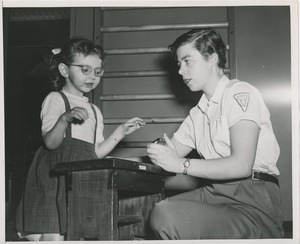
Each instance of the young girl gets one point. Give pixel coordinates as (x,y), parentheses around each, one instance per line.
(72,129)
(231,128)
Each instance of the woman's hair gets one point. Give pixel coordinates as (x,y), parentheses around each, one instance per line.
(74,46)
(206,41)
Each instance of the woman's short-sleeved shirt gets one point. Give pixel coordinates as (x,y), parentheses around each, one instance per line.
(206,128)
(53,107)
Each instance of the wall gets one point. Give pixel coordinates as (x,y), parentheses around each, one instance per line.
(263,55)
(170,84)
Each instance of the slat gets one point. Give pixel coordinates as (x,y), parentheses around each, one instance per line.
(131,97)
(121,51)
(134,74)
(33,46)
(156,120)
(120,74)
(136,50)
(162,27)
(38,14)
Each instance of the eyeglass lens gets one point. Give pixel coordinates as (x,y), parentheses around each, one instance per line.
(87,70)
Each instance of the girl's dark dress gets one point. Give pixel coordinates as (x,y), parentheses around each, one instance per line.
(43,207)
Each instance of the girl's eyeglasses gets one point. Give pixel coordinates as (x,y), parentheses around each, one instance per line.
(87,70)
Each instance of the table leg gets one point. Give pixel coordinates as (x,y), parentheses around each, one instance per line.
(91,206)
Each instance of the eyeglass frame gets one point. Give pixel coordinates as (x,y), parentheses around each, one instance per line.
(91,69)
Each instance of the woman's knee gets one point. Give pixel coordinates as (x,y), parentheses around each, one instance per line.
(162,216)
(164,220)
(158,215)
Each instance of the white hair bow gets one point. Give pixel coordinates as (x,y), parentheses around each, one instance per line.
(56,51)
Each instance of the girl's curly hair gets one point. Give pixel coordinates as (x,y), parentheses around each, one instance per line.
(66,55)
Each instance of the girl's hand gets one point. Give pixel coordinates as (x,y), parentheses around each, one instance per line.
(165,156)
(132,125)
(78,113)
(128,127)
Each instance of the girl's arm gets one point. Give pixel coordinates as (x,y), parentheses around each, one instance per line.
(104,148)
(54,137)
(243,138)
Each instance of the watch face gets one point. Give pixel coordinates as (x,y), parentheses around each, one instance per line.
(186,163)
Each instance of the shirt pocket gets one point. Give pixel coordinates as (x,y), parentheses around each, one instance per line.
(219,132)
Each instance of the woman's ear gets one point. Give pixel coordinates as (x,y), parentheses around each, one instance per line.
(63,70)
(213,59)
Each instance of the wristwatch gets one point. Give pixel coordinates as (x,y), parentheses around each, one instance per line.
(186,165)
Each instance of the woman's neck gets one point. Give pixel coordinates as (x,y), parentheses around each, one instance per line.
(213,83)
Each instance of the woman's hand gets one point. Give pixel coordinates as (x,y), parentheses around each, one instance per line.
(77,113)
(165,156)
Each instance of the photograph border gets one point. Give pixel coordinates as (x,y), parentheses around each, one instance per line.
(294,7)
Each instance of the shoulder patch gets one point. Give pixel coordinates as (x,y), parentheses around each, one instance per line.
(242,99)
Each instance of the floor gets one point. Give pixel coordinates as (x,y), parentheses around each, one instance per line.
(288,229)
(10,230)
(11,235)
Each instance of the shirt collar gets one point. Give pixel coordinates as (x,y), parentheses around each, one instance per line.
(83,98)
(216,97)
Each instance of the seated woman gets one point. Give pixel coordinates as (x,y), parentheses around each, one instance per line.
(231,128)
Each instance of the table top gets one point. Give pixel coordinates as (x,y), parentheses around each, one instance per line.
(110,163)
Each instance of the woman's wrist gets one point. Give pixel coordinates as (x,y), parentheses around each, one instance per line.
(180,165)
(186,164)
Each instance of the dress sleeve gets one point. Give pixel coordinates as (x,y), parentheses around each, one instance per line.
(52,108)
(243,102)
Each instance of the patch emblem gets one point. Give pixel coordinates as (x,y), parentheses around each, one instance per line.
(242,99)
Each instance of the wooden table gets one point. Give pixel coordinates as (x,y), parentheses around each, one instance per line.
(111,199)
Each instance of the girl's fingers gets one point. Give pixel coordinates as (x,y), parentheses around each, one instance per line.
(135,122)
(132,125)
(129,125)
(78,115)
(141,123)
